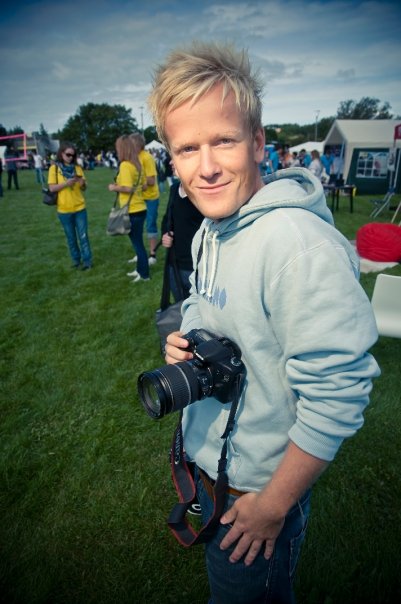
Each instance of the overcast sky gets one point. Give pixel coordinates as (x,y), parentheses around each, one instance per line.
(56,56)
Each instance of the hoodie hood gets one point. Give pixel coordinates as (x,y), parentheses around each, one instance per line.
(289,188)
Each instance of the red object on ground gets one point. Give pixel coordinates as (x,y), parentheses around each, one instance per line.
(380,242)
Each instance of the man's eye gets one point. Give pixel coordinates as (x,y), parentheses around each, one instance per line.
(187,149)
(226,141)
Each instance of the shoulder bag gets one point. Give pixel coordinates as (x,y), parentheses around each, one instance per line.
(168,316)
(118,222)
(49,197)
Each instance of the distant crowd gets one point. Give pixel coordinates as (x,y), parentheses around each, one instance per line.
(328,167)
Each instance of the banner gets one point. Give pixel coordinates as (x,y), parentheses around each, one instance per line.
(397,132)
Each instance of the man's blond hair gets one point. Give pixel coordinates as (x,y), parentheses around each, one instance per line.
(189,73)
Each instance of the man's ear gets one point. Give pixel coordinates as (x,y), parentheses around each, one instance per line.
(259,145)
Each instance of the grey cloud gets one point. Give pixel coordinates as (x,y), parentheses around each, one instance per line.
(60,71)
(346,74)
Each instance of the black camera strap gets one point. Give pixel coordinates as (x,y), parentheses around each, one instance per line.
(184,484)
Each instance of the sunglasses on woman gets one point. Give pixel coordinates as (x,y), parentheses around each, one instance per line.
(69,154)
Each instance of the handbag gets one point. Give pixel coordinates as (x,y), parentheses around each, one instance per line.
(50,198)
(168,316)
(167,321)
(118,222)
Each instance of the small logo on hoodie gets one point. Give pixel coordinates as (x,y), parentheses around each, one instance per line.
(218,299)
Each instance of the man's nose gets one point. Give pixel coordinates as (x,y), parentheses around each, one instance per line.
(209,165)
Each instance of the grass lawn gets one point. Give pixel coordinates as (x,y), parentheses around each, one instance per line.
(85,484)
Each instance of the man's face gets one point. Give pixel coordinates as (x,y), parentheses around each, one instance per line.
(214,153)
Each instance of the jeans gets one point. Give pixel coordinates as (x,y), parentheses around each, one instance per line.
(136,235)
(265,581)
(152,205)
(75,225)
(39,176)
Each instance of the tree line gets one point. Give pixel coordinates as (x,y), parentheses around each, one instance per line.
(96,126)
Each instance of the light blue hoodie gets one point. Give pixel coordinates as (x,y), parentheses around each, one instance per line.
(280,281)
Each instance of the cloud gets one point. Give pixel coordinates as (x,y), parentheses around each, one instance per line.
(346,74)
(60,71)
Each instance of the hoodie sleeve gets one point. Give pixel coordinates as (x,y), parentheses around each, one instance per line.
(324,323)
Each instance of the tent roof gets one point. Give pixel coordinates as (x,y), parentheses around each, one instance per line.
(362,133)
(309,146)
(154,145)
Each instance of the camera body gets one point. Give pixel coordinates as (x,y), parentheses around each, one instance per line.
(214,371)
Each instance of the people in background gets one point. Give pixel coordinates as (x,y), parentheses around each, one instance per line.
(150,194)
(168,169)
(327,160)
(294,161)
(38,165)
(67,179)
(10,159)
(337,168)
(179,225)
(304,158)
(316,166)
(1,177)
(271,159)
(130,183)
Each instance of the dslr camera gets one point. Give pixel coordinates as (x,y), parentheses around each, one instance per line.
(214,371)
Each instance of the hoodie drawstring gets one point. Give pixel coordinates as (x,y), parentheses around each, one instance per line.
(214,265)
(204,261)
(205,258)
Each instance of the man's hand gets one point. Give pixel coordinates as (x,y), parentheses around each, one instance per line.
(167,239)
(258,518)
(175,348)
(254,526)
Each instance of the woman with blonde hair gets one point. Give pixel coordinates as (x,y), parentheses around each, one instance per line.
(129,184)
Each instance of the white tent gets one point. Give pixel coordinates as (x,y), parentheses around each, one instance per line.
(361,134)
(309,146)
(154,145)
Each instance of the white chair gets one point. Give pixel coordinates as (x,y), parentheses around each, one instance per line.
(395,214)
(382,204)
(386,303)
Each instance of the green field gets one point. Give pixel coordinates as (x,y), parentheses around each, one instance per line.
(85,484)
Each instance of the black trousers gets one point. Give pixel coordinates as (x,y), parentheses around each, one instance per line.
(12,175)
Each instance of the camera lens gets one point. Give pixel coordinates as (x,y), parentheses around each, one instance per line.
(170,388)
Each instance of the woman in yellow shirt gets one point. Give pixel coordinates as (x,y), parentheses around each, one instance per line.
(67,179)
(130,183)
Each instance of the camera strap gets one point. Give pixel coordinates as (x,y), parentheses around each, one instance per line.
(184,484)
